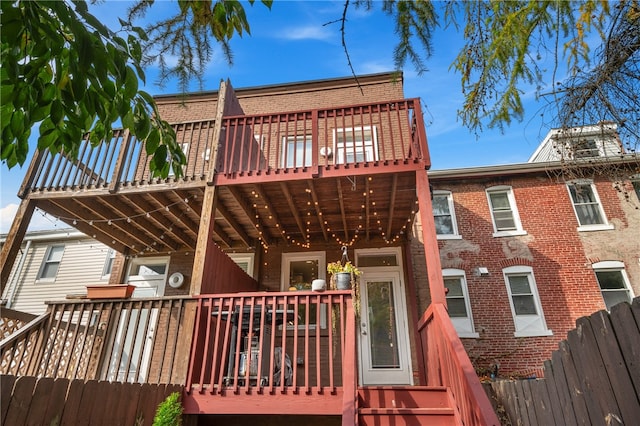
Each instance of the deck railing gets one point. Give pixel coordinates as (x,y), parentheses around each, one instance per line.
(447,364)
(301,142)
(121,161)
(295,143)
(300,344)
(136,341)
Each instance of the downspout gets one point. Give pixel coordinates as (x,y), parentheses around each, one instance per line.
(17,275)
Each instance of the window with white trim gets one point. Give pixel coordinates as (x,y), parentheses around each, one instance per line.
(296,151)
(613,281)
(244,261)
(504,213)
(458,303)
(444,215)
(51,263)
(355,144)
(525,302)
(587,206)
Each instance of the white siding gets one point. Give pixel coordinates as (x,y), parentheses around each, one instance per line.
(82,263)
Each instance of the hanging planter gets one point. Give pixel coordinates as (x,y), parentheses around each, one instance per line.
(117,291)
(343,280)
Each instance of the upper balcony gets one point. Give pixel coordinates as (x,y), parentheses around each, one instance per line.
(267,170)
(287,145)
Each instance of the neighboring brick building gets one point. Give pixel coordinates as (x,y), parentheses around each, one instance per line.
(525,252)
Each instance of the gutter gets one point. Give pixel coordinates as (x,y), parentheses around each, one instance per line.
(16,276)
(525,168)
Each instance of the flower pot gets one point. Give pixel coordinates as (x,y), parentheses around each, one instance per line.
(343,281)
(118,291)
(318,285)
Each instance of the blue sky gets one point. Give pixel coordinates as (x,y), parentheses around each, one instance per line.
(292,43)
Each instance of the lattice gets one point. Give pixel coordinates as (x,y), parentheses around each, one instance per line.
(9,325)
(15,359)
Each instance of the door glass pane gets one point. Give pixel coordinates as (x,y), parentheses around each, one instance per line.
(149,269)
(383,335)
(301,274)
(366,260)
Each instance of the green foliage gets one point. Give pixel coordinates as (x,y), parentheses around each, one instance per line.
(64,70)
(505,40)
(189,35)
(169,412)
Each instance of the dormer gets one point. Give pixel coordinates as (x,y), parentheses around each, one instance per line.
(579,143)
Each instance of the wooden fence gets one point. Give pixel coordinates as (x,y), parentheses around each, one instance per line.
(32,401)
(592,379)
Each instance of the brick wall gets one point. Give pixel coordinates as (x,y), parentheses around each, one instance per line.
(288,97)
(560,256)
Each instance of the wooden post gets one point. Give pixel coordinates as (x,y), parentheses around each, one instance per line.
(349,369)
(14,240)
(431,251)
(207,216)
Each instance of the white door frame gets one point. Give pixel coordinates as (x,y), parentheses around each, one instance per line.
(403,375)
(143,281)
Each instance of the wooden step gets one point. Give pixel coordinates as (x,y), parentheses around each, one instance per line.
(404,397)
(405,405)
(407,417)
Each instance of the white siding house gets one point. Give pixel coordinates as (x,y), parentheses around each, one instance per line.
(52,265)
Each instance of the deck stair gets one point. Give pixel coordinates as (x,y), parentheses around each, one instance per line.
(406,405)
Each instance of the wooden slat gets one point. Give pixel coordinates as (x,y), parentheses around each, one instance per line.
(20,401)
(6,389)
(41,395)
(615,371)
(90,397)
(57,400)
(626,324)
(554,397)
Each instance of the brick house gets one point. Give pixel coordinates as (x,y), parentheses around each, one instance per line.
(527,249)
(279,182)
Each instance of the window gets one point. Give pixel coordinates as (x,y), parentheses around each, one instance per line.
(51,263)
(613,282)
(298,271)
(244,261)
(525,303)
(585,148)
(296,151)
(504,213)
(458,303)
(635,181)
(108,264)
(356,145)
(587,207)
(444,215)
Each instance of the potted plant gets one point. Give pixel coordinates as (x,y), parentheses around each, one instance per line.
(344,275)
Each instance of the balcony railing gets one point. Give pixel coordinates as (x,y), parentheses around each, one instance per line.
(299,344)
(136,341)
(121,161)
(304,141)
(293,143)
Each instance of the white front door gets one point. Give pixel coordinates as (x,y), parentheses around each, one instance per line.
(384,336)
(149,275)
(131,346)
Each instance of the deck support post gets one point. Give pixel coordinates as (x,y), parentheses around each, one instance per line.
(14,239)
(431,251)
(350,370)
